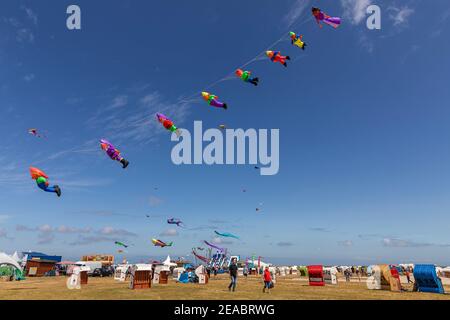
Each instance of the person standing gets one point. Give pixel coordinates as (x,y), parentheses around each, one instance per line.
(267,280)
(233,275)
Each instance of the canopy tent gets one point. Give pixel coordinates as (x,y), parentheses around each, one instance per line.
(169,264)
(6,259)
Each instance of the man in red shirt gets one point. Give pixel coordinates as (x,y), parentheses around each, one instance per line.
(267,280)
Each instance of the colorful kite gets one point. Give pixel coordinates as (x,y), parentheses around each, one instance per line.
(322,16)
(121,244)
(202,258)
(162,244)
(226,234)
(297,40)
(42,181)
(213,246)
(113,153)
(245,76)
(275,56)
(213,100)
(168,124)
(200,248)
(178,222)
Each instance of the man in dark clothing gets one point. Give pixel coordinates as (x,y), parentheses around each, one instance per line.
(233,275)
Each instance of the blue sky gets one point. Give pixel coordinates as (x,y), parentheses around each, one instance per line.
(364,155)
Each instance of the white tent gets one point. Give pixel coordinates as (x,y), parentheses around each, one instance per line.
(169,264)
(5,259)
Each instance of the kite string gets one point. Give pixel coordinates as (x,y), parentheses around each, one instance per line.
(256,58)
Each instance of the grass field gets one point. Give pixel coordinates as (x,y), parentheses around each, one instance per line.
(289,288)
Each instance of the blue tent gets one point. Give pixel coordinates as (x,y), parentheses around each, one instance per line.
(427,279)
(184,278)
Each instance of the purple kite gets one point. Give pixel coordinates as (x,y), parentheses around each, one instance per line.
(112,152)
(321,16)
(213,246)
(199,257)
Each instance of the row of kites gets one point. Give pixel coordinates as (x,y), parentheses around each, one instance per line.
(213,100)
(113,153)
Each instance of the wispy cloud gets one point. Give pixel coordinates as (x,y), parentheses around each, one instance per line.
(203,227)
(24,35)
(218,240)
(29,77)
(296,11)
(319,229)
(441,23)
(119,101)
(47,234)
(110,231)
(88,240)
(285,244)
(137,122)
(355,10)
(169,233)
(365,42)
(31,15)
(400,16)
(399,243)
(345,243)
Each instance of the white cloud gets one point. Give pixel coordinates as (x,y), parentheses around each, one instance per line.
(29,77)
(31,14)
(24,35)
(218,240)
(3,218)
(399,243)
(119,101)
(365,42)
(400,16)
(355,10)
(66,229)
(116,232)
(137,124)
(346,243)
(169,233)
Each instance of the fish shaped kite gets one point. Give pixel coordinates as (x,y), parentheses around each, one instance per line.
(42,181)
(297,40)
(213,100)
(245,76)
(275,56)
(121,244)
(113,153)
(168,124)
(213,246)
(322,16)
(162,244)
(201,258)
(226,235)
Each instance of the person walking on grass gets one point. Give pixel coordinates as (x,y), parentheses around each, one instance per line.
(267,280)
(233,275)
